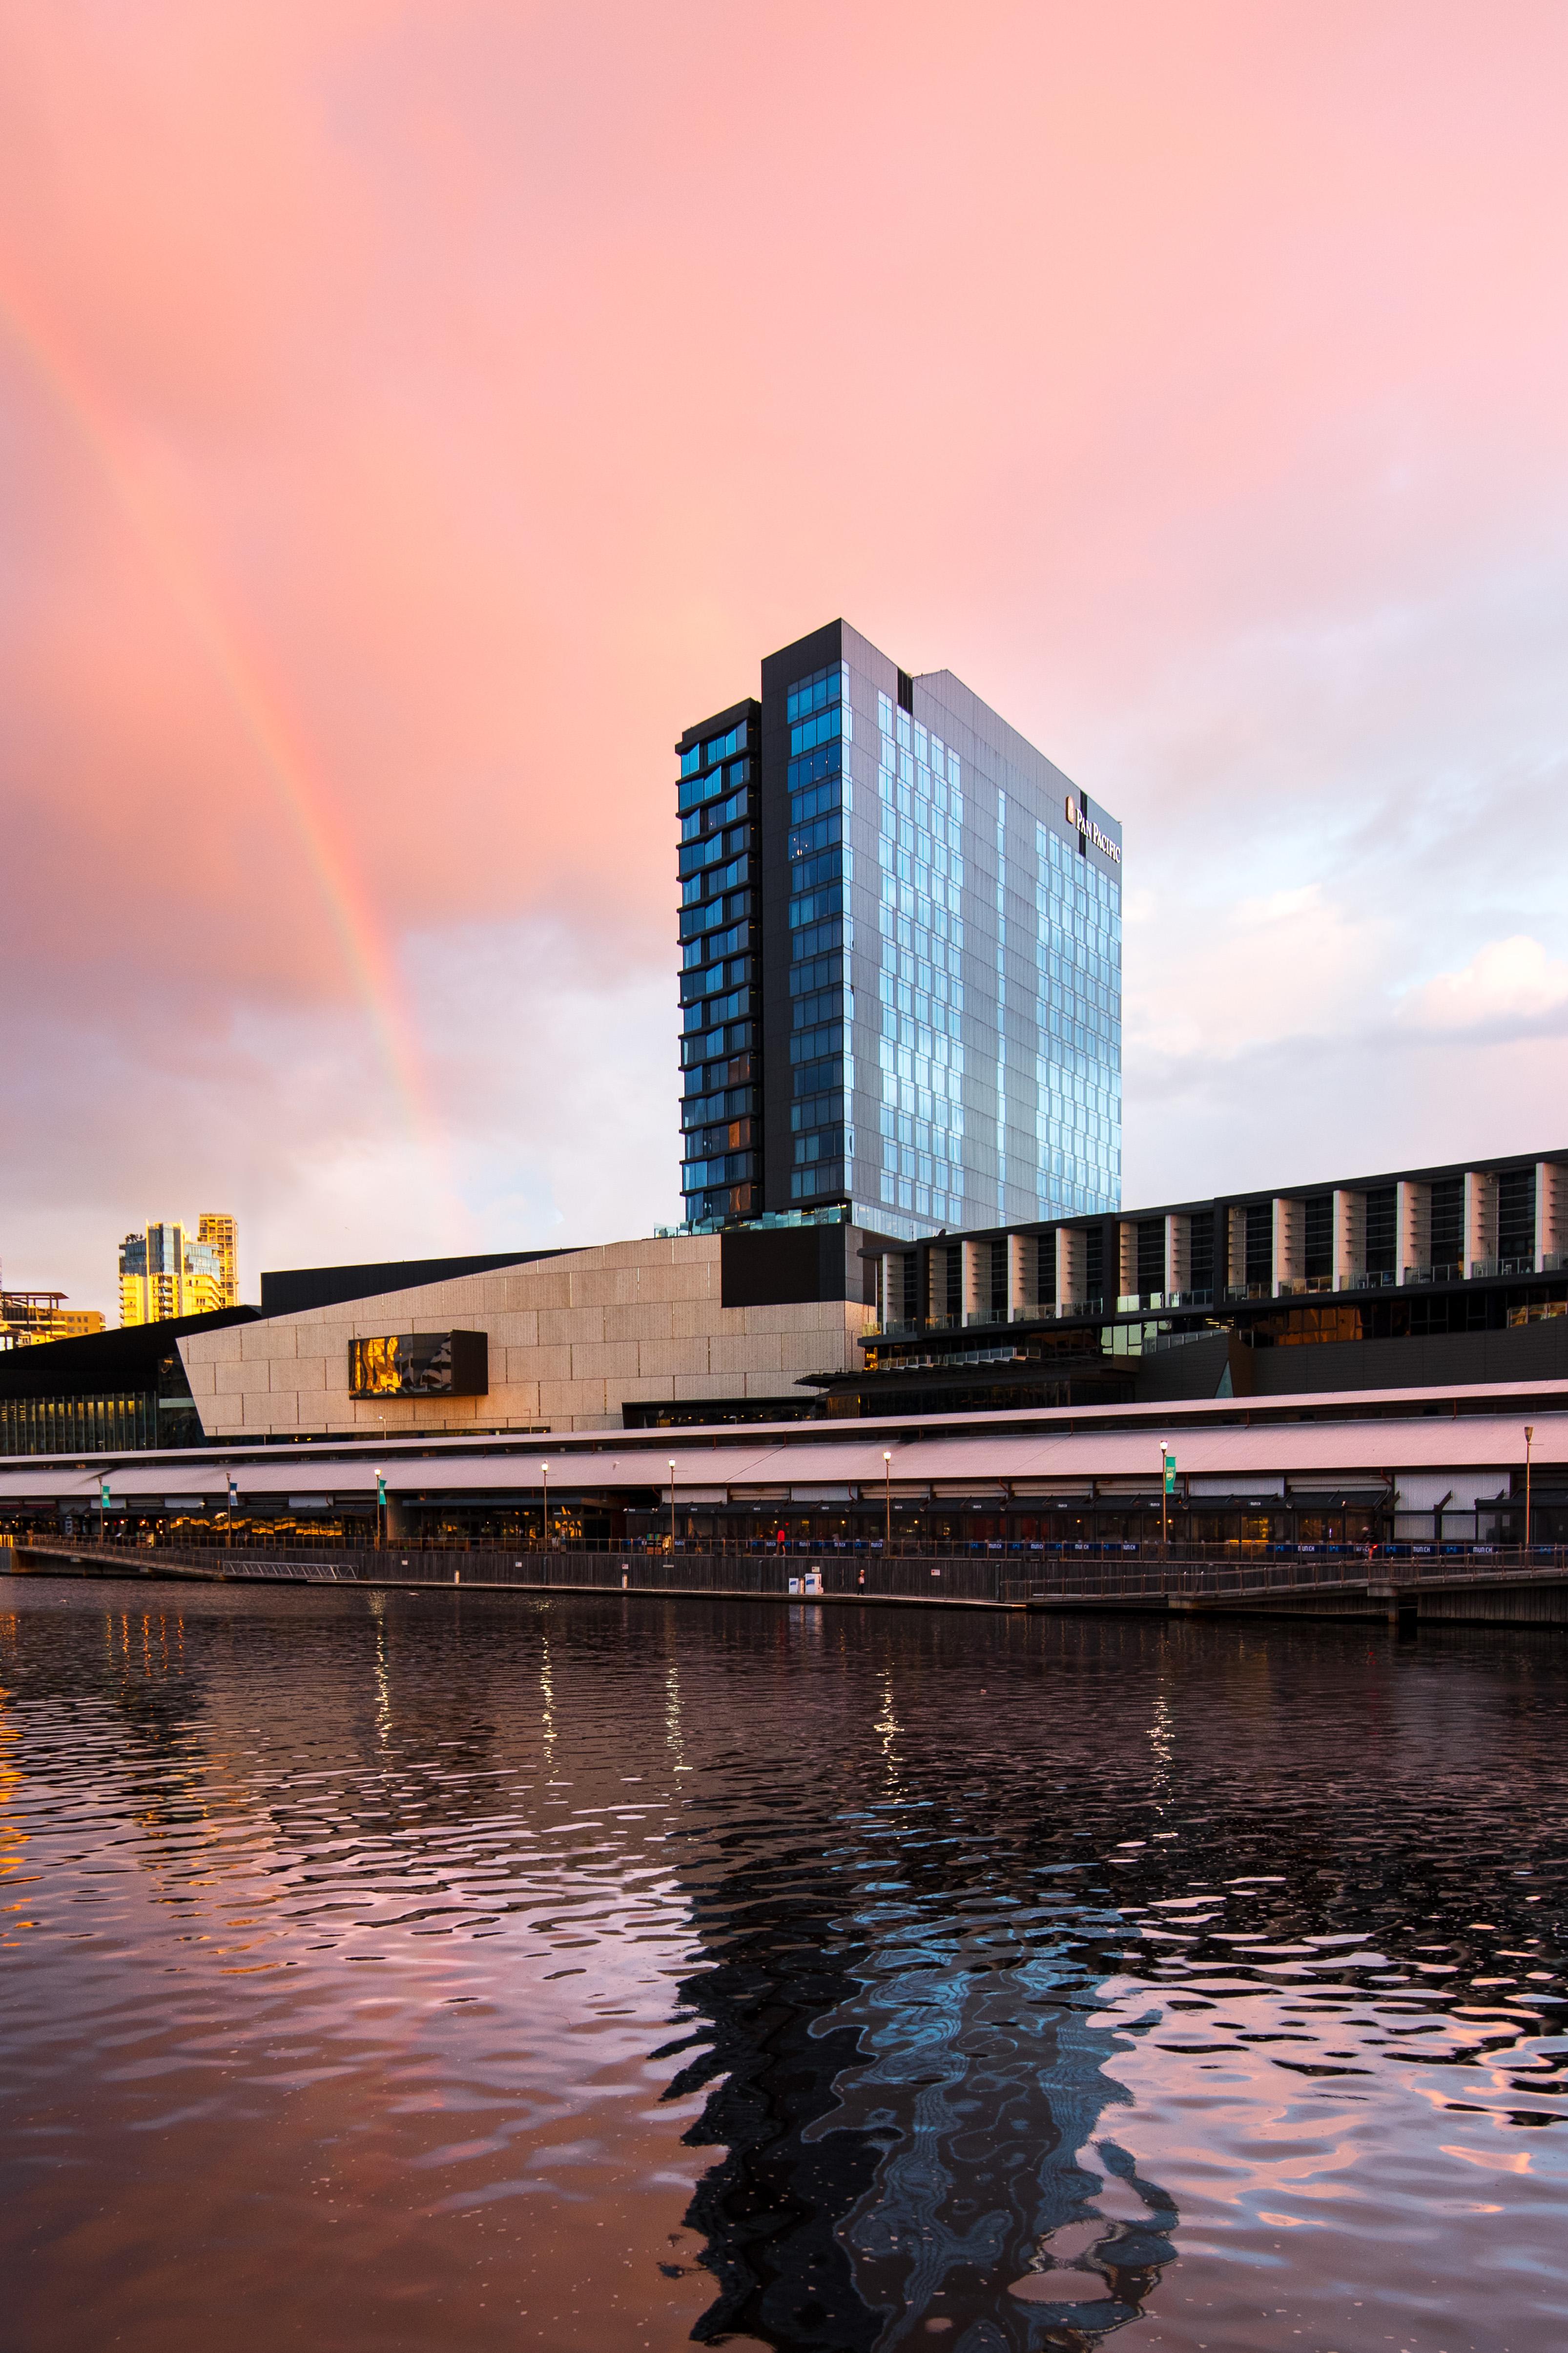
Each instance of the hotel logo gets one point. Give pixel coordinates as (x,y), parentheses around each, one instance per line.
(1085,825)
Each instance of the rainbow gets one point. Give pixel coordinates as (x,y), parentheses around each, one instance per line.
(283,759)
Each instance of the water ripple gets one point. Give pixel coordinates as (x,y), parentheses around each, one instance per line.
(455,1969)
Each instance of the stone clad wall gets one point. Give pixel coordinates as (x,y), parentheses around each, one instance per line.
(571,1340)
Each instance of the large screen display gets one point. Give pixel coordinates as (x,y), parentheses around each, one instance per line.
(420,1363)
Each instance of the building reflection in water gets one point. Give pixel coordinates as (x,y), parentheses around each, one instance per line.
(908,2080)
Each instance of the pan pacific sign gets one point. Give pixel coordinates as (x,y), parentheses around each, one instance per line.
(1082,822)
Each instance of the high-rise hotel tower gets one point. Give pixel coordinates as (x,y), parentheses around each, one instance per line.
(900,941)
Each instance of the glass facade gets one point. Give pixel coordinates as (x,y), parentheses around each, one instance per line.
(956,961)
(940,912)
(820,718)
(716,799)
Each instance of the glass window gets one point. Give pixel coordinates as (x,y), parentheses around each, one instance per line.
(825,728)
(816,693)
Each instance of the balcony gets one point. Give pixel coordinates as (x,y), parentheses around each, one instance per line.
(1236,1292)
(1359,1278)
(1481,1267)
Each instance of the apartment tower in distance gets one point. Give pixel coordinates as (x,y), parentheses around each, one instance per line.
(901,940)
(165,1274)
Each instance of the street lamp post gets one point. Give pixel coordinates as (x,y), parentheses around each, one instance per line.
(1528,1439)
(1164,1501)
(888,1499)
(544,1510)
(672,1508)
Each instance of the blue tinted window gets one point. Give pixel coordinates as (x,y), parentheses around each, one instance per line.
(804,806)
(808,734)
(816,767)
(697,789)
(822,972)
(723,747)
(817,939)
(816,693)
(691,761)
(821,835)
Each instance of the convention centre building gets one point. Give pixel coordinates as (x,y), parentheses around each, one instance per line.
(1412,1280)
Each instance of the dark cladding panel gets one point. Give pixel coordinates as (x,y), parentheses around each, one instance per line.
(137,1356)
(781,1266)
(292,1290)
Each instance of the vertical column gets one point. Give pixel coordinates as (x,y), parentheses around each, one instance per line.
(1480,1218)
(1412,1229)
(974,1289)
(1072,1266)
(1178,1254)
(1350,1238)
(1549,1239)
(1236,1247)
(1126,1258)
(1289,1240)
(890,1275)
(1022,1277)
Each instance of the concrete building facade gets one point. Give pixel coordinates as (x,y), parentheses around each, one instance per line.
(574,1342)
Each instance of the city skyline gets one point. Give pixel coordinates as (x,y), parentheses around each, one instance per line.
(384,495)
(165,1270)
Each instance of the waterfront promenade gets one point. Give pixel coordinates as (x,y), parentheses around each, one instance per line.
(1489,1585)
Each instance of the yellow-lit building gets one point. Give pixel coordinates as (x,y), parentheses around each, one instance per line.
(216,1228)
(27,1316)
(165,1274)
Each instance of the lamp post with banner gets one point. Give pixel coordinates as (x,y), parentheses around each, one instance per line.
(672,1507)
(544,1512)
(1167,1489)
(228,1515)
(103,1510)
(888,1499)
(379,1506)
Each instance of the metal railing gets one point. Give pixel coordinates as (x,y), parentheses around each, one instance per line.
(651,1563)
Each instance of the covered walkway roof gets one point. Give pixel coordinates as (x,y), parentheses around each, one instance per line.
(1213,1443)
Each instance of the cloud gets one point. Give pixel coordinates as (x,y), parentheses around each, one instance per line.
(1507,985)
(1279,965)
(508,380)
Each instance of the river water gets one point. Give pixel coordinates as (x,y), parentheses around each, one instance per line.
(440,1970)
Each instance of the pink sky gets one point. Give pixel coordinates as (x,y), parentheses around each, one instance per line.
(410,418)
